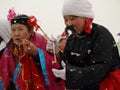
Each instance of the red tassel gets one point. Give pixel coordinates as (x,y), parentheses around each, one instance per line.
(87,26)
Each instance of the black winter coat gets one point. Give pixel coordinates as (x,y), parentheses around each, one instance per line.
(89,58)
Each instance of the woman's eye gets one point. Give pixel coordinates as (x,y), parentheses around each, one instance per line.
(20,29)
(13,29)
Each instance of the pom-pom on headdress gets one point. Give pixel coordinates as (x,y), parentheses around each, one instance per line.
(33,22)
(11,14)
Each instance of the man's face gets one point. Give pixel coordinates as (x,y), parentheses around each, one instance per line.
(76,21)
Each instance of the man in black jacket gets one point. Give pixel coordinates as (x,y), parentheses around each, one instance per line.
(90,53)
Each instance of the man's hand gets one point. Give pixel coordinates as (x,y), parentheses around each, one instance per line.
(50,48)
(60,73)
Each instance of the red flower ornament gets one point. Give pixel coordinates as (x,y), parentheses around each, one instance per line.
(33,22)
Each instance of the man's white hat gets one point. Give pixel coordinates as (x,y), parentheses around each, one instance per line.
(81,8)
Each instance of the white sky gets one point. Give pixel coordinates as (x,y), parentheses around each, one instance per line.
(49,14)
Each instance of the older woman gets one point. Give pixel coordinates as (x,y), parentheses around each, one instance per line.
(26,58)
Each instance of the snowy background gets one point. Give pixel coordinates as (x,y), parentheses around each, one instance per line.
(49,15)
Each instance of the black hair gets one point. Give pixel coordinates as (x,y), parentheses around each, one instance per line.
(21,19)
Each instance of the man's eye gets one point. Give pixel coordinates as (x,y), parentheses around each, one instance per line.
(71,18)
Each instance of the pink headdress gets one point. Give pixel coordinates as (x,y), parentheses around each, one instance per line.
(32,21)
(11,14)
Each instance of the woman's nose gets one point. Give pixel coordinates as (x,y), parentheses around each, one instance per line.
(16,32)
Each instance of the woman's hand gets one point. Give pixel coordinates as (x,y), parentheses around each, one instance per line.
(29,48)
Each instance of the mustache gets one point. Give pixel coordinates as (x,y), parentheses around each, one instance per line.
(71,28)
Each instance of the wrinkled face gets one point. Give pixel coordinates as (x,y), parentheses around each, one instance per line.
(20,32)
(76,21)
(62,44)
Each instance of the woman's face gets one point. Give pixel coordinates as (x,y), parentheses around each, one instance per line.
(19,32)
(76,21)
(62,44)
